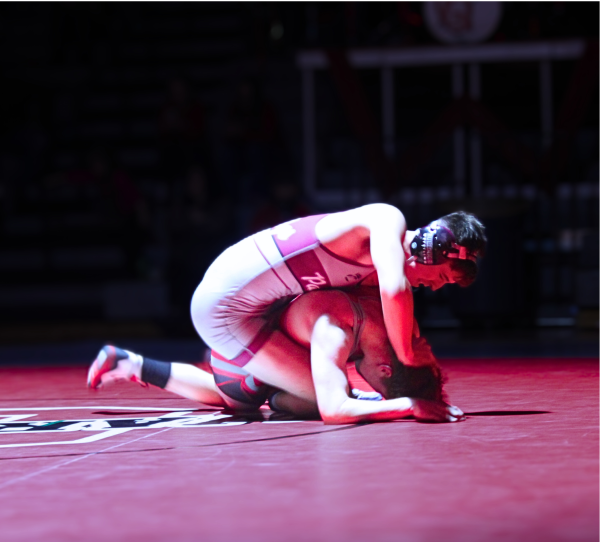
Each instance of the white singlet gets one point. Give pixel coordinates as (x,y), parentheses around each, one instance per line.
(247,285)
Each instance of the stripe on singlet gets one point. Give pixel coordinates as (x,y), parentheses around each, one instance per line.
(271,266)
(299,237)
(256,344)
(309,271)
(298,243)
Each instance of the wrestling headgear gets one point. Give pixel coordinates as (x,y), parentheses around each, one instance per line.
(435,242)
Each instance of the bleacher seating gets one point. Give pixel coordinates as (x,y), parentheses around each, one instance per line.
(62,258)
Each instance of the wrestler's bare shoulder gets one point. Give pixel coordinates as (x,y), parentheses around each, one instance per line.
(299,318)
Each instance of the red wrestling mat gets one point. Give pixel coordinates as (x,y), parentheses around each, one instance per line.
(128,463)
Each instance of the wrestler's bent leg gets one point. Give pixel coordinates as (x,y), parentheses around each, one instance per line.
(193,383)
(240,390)
(284,364)
(282,401)
(243,391)
(113,364)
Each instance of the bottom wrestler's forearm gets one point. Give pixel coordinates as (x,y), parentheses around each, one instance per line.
(355,411)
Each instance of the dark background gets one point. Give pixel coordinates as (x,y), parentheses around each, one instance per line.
(140,140)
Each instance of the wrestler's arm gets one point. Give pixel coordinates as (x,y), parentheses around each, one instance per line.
(387,227)
(331,341)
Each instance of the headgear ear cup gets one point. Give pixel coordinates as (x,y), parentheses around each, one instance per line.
(434,243)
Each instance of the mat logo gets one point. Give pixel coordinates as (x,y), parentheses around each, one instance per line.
(14,424)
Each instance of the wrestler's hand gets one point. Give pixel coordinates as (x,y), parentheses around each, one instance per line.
(434,411)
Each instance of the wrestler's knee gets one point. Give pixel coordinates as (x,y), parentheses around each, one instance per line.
(240,390)
(237,406)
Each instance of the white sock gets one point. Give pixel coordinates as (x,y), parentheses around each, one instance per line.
(129,368)
(135,364)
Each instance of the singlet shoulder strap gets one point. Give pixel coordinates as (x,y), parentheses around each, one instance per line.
(359,321)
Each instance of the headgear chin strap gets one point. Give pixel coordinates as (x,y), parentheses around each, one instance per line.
(434,243)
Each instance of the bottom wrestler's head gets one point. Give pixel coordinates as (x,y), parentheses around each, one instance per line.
(396,379)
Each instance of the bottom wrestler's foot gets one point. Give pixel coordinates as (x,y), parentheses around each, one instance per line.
(112,364)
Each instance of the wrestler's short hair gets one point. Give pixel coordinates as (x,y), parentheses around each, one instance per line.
(426,382)
(469,232)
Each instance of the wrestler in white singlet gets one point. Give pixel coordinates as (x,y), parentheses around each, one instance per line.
(242,290)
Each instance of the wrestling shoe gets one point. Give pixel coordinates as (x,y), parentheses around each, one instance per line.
(113,364)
